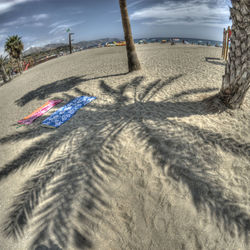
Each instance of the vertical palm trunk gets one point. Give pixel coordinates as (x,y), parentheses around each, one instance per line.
(133,62)
(11,69)
(9,74)
(70,45)
(236,80)
(19,66)
(4,74)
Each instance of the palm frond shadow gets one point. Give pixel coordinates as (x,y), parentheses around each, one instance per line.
(185,161)
(214,60)
(66,198)
(62,180)
(56,87)
(194,91)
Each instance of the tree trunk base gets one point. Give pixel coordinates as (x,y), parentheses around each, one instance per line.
(215,104)
(226,102)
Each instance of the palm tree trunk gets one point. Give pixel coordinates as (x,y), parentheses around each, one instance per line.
(19,66)
(9,74)
(133,62)
(4,74)
(236,80)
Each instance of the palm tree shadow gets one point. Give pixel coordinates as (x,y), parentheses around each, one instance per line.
(194,91)
(182,158)
(214,60)
(66,84)
(66,197)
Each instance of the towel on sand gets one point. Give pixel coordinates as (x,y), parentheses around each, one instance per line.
(64,113)
(39,112)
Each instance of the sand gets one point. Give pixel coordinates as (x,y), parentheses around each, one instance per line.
(145,166)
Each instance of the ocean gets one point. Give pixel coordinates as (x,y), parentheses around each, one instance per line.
(187,40)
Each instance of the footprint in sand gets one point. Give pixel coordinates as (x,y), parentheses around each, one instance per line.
(160,223)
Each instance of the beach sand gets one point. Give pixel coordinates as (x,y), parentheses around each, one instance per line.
(144,166)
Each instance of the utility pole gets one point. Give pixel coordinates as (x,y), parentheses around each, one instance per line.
(70,40)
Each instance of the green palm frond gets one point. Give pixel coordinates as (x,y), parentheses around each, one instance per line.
(14,46)
(3,59)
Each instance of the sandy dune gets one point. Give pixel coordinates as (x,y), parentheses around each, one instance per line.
(144,166)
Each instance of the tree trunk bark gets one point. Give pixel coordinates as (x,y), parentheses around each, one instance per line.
(4,74)
(133,62)
(20,66)
(11,69)
(236,80)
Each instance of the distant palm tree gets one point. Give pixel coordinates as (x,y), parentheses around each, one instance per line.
(236,80)
(14,48)
(2,69)
(133,62)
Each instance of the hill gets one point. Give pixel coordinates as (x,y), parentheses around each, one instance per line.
(81,44)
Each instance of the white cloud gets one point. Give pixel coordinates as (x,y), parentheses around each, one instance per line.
(3,30)
(53,25)
(191,12)
(2,37)
(78,12)
(27,21)
(130,5)
(114,11)
(28,41)
(62,26)
(39,17)
(44,41)
(2,52)
(38,24)
(7,5)
(19,21)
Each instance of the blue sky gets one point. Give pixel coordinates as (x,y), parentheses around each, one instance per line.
(40,22)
